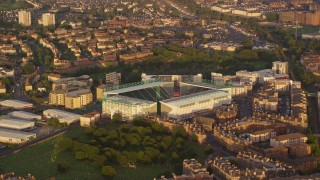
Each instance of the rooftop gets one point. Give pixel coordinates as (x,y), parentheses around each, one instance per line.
(138,87)
(8,133)
(129,100)
(289,136)
(201,96)
(15,103)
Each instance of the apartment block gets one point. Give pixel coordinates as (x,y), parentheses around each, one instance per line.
(288,140)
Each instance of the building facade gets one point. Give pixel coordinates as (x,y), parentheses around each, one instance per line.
(24,18)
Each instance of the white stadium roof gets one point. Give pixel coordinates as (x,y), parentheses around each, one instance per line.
(138,87)
(129,100)
(192,98)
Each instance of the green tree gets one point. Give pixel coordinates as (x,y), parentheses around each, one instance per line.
(108,171)
(80,155)
(65,144)
(28,68)
(63,166)
(208,150)
(116,118)
(247,43)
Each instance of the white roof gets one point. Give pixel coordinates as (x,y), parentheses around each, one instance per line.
(193,98)
(15,103)
(129,100)
(13,134)
(59,112)
(24,115)
(63,116)
(15,123)
(138,87)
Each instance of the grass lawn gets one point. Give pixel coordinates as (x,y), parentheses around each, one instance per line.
(10,5)
(41,161)
(6,96)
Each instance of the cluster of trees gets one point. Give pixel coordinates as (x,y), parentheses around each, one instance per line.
(143,143)
(56,123)
(173,59)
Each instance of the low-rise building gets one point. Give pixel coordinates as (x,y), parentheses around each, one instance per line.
(16,124)
(300,150)
(288,140)
(24,115)
(262,135)
(15,137)
(16,104)
(2,88)
(62,116)
(192,169)
(89,119)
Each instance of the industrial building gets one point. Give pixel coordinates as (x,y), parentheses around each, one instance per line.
(16,104)
(15,137)
(62,116)
(171,98)
(24,115)
(16,124)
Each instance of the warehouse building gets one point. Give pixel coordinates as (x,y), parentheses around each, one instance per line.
(62,116)
(24,115)
(15,137)
(16,104)
(16,124)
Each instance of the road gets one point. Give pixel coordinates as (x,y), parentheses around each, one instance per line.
(314,123)
(183,13)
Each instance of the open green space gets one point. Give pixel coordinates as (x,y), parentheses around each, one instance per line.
(304,29)
(42,160)
(6,5)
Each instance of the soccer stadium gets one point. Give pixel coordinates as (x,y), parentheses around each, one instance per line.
(174,99)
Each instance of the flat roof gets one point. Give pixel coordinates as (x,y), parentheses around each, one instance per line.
(192,98)
(15,103)
(289,136)
(62,115)
(78,92)
(60,112)
(129,100)
(138,87)
(8,133)
(15,122)
(24,115)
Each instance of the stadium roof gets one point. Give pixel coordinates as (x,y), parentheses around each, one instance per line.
(8,133)
(138,87)
(129,100)
(193,98)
